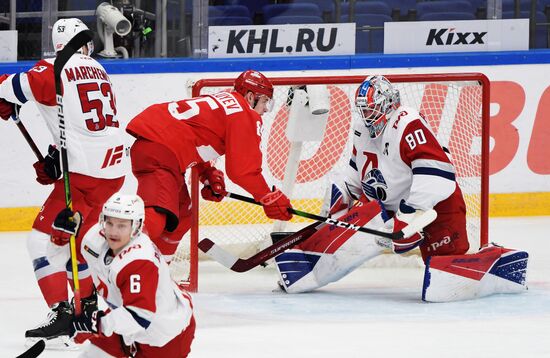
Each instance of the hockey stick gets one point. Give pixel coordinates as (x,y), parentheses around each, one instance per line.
(61,60)
(242,265)
(26,134)
(417,225)
(33,351)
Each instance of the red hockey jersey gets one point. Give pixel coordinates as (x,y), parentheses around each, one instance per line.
(204,128)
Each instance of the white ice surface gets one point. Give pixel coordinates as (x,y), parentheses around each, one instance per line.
(374,312)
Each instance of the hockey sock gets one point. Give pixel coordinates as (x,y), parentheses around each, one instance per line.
(53,287)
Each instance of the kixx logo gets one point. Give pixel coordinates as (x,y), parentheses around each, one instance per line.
(452,37)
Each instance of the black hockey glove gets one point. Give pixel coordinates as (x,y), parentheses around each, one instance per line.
(52,164)
(66,223)
(48,170)
(87,323)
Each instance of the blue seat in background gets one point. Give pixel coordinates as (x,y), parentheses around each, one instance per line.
(368,7)
(541,31)
(228,10)
(443,6)
(326,6)
(524,5)
(280,20)
(404,6)
(372,40)
(229,20)
(299,9)
(254,6)
(440,16)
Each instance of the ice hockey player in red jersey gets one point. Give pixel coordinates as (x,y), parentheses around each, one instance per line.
(175,136)
(148,315)
(397,171)
(95,148)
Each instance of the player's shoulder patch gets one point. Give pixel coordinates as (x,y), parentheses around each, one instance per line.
(358,128)
(90,251)
(93,241)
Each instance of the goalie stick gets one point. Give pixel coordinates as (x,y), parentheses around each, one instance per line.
(417,225)
(238,264)
(34,351)
(242,265)
(63,56)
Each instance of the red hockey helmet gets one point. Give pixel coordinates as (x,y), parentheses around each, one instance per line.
(254,82)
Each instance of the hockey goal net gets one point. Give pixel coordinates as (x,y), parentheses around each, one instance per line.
(455,105)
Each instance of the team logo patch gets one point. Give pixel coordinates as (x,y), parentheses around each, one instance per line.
(374,185)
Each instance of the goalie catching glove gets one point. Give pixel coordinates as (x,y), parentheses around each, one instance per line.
(214,184)
(66,223)
(276,205)
(49,169)
(86,323)
(405,216)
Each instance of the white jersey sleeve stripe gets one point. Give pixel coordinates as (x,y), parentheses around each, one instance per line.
(433,167)
(430,163)
(17,90)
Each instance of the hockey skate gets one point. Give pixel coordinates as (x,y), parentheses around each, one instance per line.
(55,330)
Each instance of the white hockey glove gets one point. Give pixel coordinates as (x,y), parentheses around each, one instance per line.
(405,216)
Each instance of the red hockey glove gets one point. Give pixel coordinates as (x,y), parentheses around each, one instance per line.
(66,223)
(86,323)
(404,216)
(214,184)
(6,109)
(208,194)
(48,170)
(276,205)
(214,178)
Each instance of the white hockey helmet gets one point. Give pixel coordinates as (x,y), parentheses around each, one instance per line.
(65,29)
(376,99)
(125,206)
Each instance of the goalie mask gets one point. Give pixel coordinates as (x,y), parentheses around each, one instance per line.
(64,30)
(376,99)
(257,83)
(124,206)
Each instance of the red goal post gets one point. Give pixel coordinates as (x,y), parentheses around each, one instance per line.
(455,104)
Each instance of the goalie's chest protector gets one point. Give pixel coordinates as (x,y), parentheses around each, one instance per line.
(383,173)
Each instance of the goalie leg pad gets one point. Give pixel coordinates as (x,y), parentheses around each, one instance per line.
(493,269)
(331,253)
(447,235)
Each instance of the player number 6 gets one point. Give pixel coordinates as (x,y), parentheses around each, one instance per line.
(135,286)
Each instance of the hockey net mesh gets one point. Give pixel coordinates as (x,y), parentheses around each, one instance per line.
(452,108)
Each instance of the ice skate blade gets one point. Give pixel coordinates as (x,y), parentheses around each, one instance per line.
(61,343)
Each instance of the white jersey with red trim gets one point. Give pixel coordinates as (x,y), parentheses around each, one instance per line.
(405,162)
(95,143)
(146,304)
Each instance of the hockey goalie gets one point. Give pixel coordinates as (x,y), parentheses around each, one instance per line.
(397,171)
